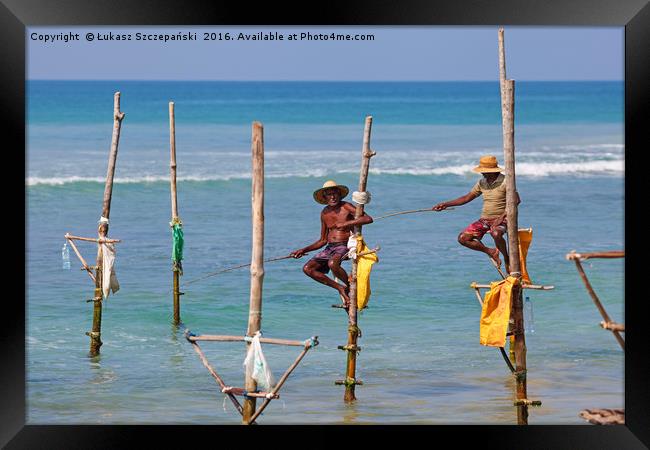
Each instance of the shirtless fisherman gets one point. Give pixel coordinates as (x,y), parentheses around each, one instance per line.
(337,222)
(493,215)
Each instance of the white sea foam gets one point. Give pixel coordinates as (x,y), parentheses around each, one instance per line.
(57,181)
(534,169)
(304,169)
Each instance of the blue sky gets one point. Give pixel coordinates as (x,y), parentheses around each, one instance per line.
(404,53)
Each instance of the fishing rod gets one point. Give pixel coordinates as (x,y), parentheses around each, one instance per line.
(279,258)
(233,268)
(409,212)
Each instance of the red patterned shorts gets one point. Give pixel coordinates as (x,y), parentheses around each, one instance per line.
(482,226)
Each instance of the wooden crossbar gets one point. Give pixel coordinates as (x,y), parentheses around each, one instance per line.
(225,338)
(232,391)
(527,402)
(613,326)
(540,287)
(245,393)
(573,255)
(99,240)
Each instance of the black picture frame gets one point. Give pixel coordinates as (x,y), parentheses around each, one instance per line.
(634,15)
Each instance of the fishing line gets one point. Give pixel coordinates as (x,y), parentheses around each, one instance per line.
(233,268)
(289,256)
(409,212)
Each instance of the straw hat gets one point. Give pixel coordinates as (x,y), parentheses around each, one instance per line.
(487,164)
(319,194)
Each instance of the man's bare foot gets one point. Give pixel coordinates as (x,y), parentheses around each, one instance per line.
(343,292)
(494,257)
(496,262)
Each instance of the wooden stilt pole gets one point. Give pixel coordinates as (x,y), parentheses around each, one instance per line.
(175,219)
(508,117)
(616,331)
(257,258)
(353,329)
(102,230)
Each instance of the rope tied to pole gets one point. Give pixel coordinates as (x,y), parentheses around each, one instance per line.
(103,220)
(249,339)
(354,329)
(361,198)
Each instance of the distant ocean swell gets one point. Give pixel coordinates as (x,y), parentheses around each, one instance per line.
(614,167)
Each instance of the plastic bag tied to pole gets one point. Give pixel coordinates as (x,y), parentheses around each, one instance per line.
(256,366)
(109,277)
(177,245)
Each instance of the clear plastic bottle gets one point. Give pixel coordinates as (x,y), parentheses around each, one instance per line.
(529,319)
(65,256)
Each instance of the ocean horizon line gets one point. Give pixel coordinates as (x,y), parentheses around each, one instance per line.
(200,80)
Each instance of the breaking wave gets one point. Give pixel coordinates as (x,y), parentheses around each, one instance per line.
(525,169)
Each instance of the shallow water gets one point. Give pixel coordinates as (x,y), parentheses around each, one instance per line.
(421,361)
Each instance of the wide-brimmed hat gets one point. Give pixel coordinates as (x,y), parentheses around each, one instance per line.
(487,164)
(319,194)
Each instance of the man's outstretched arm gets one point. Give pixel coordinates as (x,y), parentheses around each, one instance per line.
(365,219)
(456,202)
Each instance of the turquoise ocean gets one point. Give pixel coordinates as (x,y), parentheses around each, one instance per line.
(421,361)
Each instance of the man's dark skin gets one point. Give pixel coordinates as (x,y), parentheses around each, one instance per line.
(469,240)
(337,222)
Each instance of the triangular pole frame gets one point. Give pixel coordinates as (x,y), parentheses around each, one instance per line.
(230,391)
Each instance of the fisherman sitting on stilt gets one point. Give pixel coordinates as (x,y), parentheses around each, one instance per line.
(337,222)
(493,215)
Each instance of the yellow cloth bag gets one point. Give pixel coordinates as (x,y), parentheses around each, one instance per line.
(364,266)
(496,312)
(525,238)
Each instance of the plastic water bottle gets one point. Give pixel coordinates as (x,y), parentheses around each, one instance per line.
(65,256)
(529,320)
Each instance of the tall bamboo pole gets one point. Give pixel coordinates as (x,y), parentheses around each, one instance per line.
(594,297)
(353,329)
(502,61)
(257,257)
(102,230)
(172,167)
(508,122)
